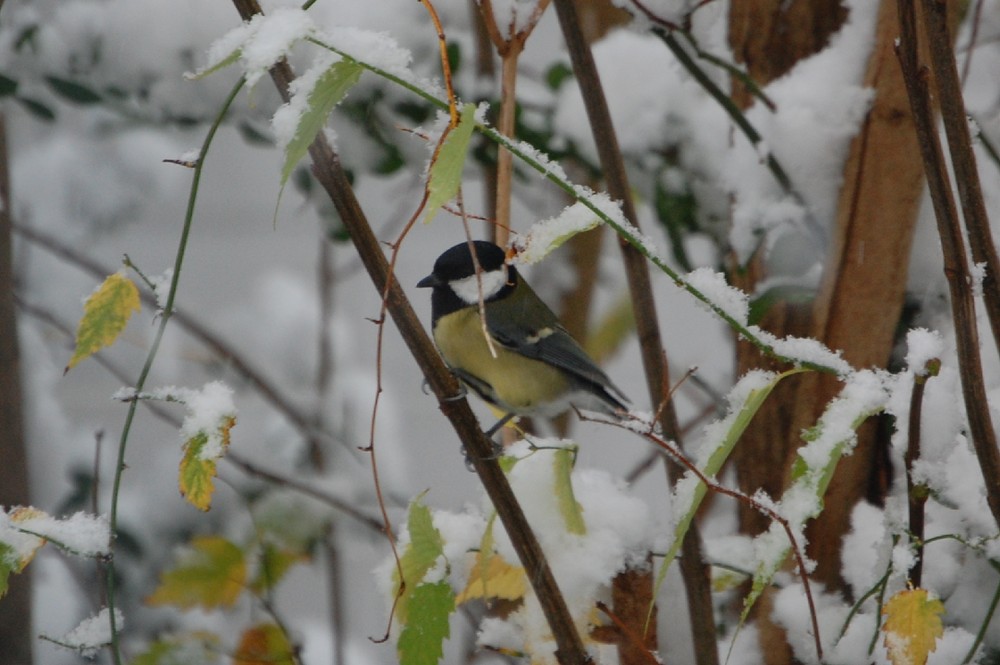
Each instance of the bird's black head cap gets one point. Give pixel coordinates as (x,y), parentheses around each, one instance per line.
(456,262)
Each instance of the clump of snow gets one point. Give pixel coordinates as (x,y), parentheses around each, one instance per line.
(161,286)
(977,273)
(260,42)
(803,350)
(208,411)
(713,286)
(548,234)
(922,346)
(82,533)
(92,633)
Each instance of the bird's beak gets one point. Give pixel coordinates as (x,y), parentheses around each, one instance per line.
(429,281)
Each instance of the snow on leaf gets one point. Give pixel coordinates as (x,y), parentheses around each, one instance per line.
(572,513)
(81,534)
(493,577)
(211,573)
(16,547)
(549,234)
(264,643)
(420,641)
(197,470)
(912,626)
(91,634)
(105,314)
(329,86)
(420,555)
(446,170)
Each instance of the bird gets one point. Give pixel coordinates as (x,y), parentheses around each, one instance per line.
(531,366)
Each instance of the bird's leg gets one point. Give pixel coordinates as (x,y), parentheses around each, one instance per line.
(500,423)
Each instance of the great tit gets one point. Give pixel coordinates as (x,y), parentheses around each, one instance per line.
(539,369)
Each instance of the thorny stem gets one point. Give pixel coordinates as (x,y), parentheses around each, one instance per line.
(115,645)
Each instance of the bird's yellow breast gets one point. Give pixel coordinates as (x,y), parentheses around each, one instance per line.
(519,384)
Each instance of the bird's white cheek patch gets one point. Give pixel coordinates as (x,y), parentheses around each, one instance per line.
(467,288)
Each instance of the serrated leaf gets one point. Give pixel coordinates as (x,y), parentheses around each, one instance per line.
(493,577)
(264,644)
(197,470)
(72,91)
(572,513)
(210,574)
(331,87)
(445,174)
(422,638)
(912,626)
(420,555)
(105,314)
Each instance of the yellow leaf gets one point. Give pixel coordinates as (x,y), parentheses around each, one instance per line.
(211,573)
(105,314)
(495,579)
(264,644)
(912,626)
(197,471)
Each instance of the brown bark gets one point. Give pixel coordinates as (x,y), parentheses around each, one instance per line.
(770,36)
(861,295)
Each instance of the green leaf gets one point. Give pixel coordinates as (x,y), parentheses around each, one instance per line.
(211,574)
(105,314)
(421,554)
(73,91)
(739,421)
(572,513)
(446,170)
(8,86)
(330,88)
(230,59)
(422,638)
